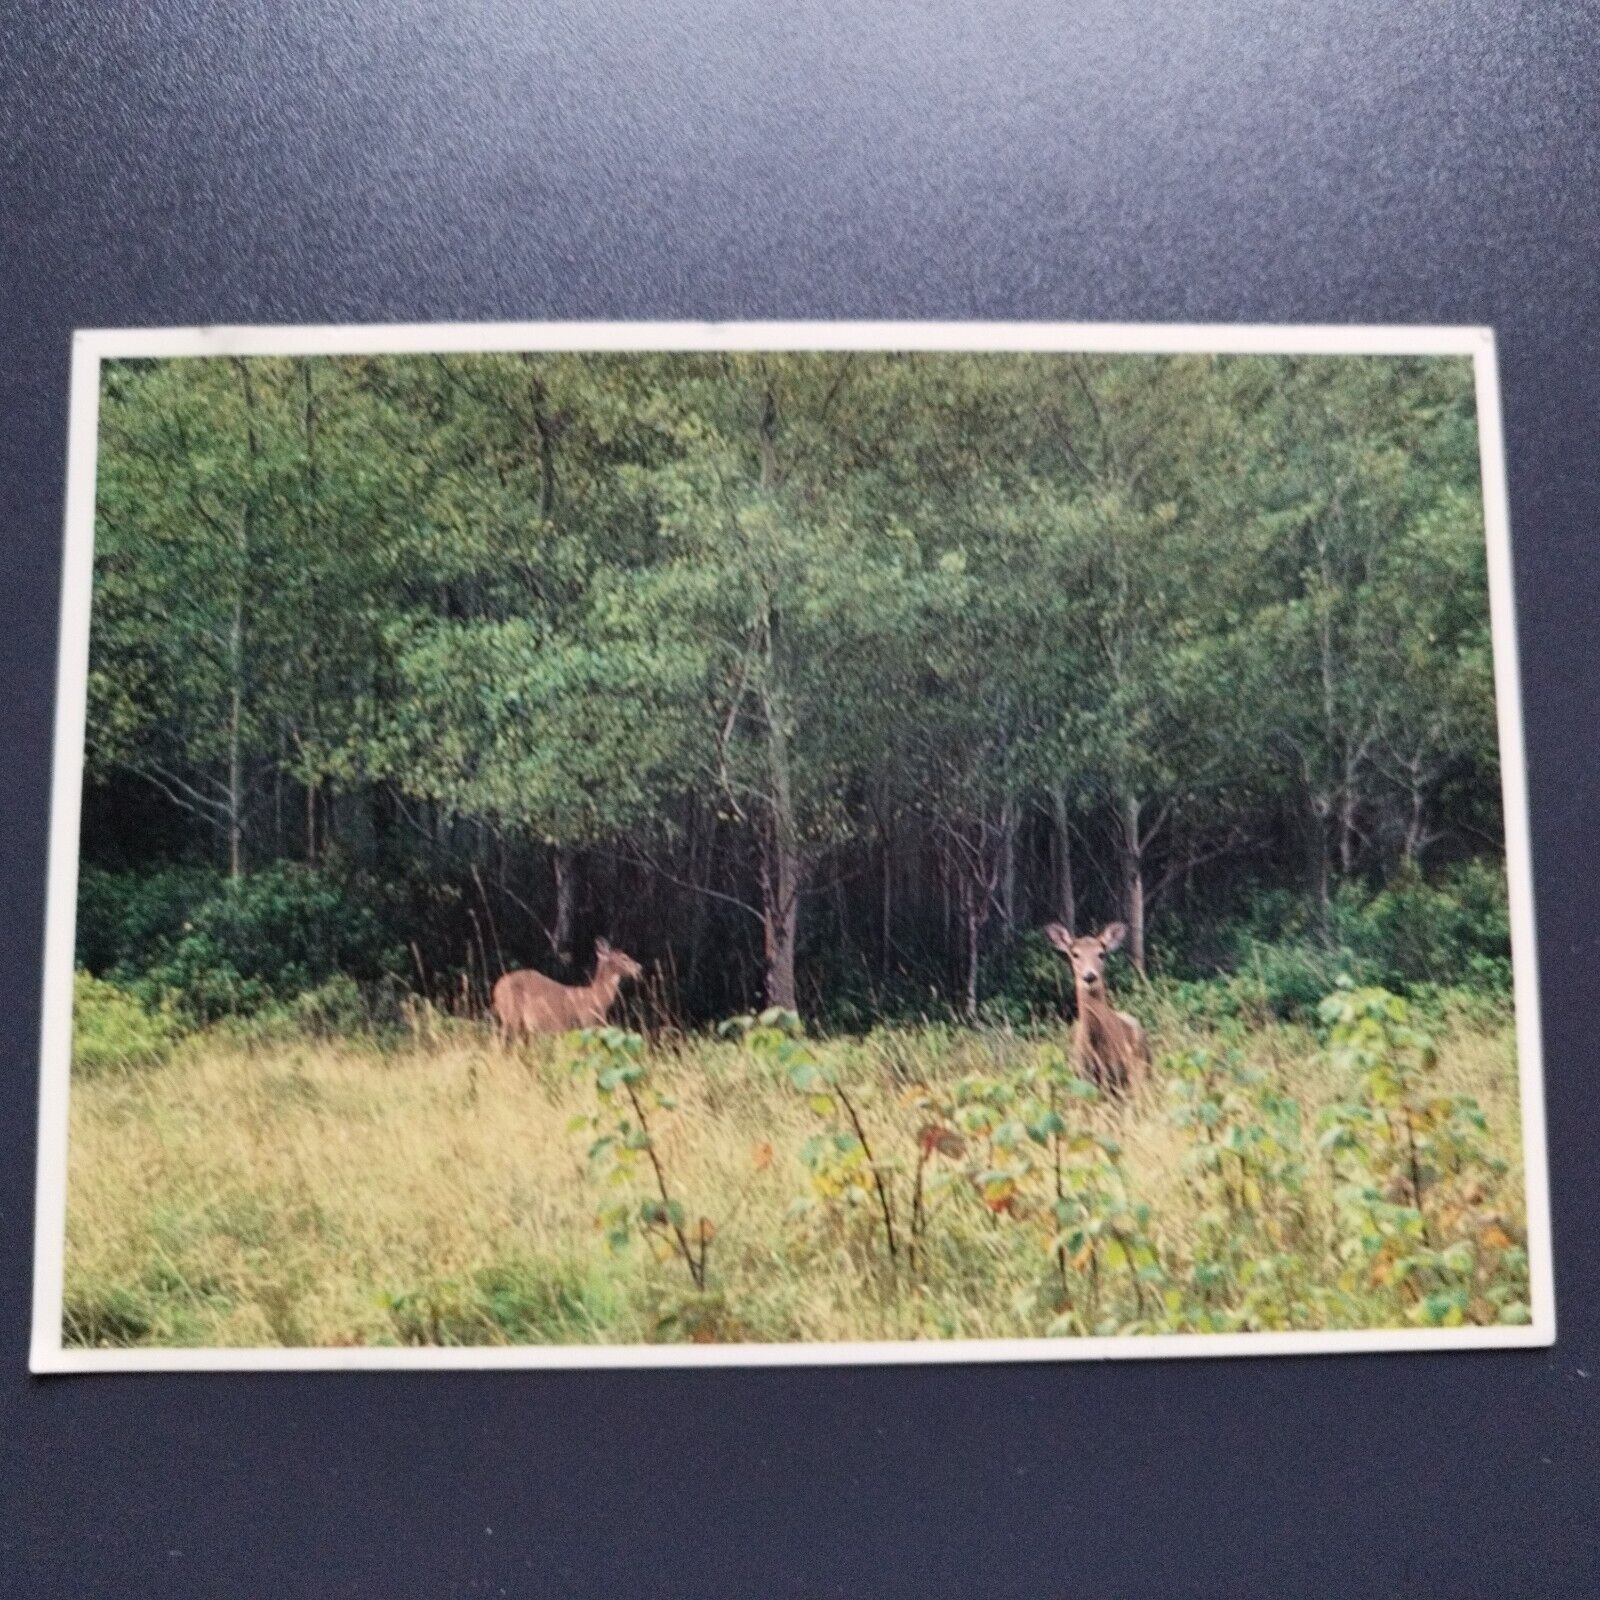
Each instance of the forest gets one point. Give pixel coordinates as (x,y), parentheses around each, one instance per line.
(819,684)
(812,679)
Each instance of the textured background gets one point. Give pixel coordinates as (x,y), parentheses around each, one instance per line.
(171,162)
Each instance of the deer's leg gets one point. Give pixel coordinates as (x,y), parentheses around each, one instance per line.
(1092,1069)
(1130,1078)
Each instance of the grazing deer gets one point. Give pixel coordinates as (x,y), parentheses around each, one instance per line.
(1109,1047)
(526,1003)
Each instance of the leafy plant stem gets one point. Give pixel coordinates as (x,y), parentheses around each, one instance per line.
(697,1268)
(877,1177)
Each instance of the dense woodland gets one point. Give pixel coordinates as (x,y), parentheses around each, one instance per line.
(815,678)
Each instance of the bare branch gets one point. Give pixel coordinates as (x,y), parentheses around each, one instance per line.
(638,858)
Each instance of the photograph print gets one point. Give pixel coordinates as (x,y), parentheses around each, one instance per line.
(647,844)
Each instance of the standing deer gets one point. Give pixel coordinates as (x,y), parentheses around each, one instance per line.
(1109,1047)
(526,1003)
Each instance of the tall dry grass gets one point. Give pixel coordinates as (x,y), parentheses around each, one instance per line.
(336,1193)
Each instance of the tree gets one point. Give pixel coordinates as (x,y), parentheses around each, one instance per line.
(778,583)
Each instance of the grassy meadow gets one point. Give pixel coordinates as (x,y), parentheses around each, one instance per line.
(913,1183)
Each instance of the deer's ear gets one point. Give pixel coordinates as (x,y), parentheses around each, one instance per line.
(1112,935)
(1060,937)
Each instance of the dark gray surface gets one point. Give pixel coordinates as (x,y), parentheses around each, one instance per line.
(178,163)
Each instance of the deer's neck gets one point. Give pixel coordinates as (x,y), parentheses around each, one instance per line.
(604,988)
(1093,1007)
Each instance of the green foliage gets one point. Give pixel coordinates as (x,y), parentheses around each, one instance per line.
(1249,1262)
(1414,1168)
(1444,942)
(840,1159)
(1024,978)
(1452,931)
(334,1009)
(862,649)
(622,1150)
(112,1028)
(1284,979)
(1049,1165)
(1016,1147)
(217,947)
(128,919)
(512,1301)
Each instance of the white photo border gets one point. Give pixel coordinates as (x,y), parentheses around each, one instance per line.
(90,348)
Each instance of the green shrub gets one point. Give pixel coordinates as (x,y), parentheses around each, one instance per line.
(1024,978)
(126,920)
(1449,1007)
(848,993)
(1289,979)
(233,947)
(1454,930)
(1448,938)
(110,1028)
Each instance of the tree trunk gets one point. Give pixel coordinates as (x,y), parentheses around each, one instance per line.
(1317,858)
(1133,880)
(974,925)
(235,763)
(780,920)
(1347,830)
(946,911)
(1008,866)
(1066,893)
(695,827)
(886,908)
(564,864)
(780,906)
(236,646)
(977,865)
(780,911)
(383,816)
(1416,833)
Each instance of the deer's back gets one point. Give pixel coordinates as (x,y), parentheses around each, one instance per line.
(538,1004)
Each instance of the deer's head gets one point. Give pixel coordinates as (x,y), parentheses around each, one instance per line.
(1087,953)
(609,959)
